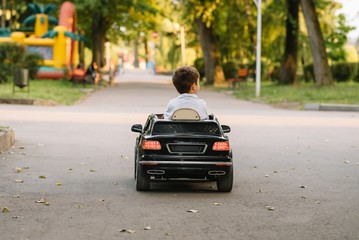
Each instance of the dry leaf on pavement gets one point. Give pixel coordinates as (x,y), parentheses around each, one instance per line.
(44,201)
(270,208)
(127,230)
(192,211)
(5,210)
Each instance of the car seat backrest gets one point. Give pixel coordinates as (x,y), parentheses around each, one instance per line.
(185,114)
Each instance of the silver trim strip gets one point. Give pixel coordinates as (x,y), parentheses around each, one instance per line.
(184,163)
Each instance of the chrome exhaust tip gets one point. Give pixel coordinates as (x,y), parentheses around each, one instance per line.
(216,173)
(156,172)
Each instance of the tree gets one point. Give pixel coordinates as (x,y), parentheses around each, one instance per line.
(323,75)
(288,71)
(204,12)
(98,16)
(337,39)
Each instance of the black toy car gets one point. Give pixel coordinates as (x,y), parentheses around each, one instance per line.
(183,148)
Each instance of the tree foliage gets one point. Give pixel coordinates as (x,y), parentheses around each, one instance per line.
(220,32)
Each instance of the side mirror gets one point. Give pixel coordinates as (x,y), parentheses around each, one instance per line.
(136,128)
(226,129)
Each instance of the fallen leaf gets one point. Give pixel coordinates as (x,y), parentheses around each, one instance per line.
(18,170)
(127,230)
(59,184)
(44,201)
(192,211)
(92,170)
(147,228)
(270,208)
(26,167)
(5,210)
(42,177)
(19,181)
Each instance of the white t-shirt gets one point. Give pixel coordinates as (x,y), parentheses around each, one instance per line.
(187,100)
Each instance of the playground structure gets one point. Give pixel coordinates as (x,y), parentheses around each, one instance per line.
(59,46)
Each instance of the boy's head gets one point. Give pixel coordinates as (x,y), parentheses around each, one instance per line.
(185,79)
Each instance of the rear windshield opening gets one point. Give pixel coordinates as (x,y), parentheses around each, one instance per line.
(204,128)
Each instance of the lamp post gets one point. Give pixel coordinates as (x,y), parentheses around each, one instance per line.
(258,49)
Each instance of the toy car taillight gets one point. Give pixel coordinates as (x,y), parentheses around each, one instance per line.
(151,145)
(221,146)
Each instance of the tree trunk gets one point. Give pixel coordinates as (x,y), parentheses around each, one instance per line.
(212,57)
(99,29)
(136,62)
(289,61)
(323,75)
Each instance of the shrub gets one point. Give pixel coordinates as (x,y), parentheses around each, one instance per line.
(343,72)
(309,73)
(32,61)
(10,57)
(230,69)
(14,56)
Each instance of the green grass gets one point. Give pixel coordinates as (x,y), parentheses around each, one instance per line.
(58,91)
(272,93)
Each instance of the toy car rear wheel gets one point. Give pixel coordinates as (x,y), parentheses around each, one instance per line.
(225,183)
(142,180)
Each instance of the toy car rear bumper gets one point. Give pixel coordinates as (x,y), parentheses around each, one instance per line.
(188,169)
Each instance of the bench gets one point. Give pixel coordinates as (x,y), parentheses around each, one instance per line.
(241,77)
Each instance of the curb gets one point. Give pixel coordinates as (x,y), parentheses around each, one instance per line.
(331,107)
(7,138)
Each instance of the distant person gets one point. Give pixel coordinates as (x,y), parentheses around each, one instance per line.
(186,81)
(92,75)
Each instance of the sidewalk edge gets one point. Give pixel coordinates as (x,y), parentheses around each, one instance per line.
(7,138)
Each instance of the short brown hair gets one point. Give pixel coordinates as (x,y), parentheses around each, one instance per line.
(184,77)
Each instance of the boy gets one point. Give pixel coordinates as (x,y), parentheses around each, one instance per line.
(186,81)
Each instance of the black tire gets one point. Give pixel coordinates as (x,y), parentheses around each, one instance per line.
(142,180)
(135,163)
(225,183)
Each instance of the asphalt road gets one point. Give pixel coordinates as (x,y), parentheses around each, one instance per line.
(296,172)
